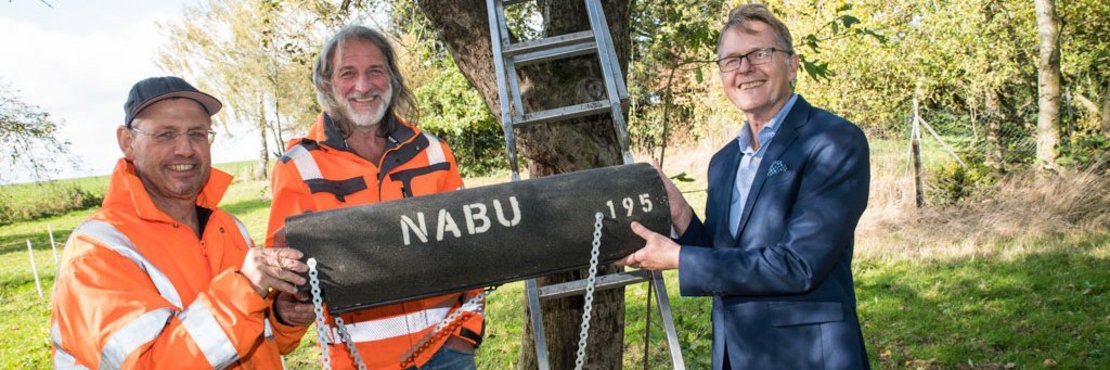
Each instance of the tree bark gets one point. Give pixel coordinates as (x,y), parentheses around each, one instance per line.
(589,142)
(1048,82)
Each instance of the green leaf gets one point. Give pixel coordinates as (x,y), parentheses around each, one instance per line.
(849,21)
(681,177)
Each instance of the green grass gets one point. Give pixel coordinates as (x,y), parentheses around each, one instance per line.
(968,312)
(986,313)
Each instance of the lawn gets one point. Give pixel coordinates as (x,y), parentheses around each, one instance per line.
(1024,300)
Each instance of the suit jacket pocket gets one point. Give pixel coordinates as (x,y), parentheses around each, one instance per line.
(781,178)
(804,313)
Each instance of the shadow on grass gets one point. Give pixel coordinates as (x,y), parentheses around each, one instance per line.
(245,206)
(40,241)
(987,313)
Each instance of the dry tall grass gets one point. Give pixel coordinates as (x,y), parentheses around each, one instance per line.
(1010,220)
(1014,218)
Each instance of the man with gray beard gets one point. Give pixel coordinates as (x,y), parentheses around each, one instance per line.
(366,148)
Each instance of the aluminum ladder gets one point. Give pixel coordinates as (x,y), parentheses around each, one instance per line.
(507,57)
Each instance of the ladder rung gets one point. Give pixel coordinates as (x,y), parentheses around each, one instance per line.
(548,54)
(558,114)
(603,282)
(549,43)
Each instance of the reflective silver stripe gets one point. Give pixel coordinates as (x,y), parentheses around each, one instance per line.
(435,150)
(65,361)
(243,231)
(304,162)
(62,359)
(267,330)
(128,338)
(114,239)
(208,335)
(411,323)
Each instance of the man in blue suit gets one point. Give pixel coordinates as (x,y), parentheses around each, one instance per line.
(775,249)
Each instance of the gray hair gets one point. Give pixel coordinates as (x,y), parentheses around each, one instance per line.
(739,16)
(402,103)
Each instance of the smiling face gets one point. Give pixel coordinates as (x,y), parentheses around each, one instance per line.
(759,90)
(361,83)
(173,170)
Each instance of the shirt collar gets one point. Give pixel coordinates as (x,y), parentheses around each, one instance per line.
(126,190)
(333,137)
(744,138)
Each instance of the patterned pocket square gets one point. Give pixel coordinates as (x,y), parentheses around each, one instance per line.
(777,167)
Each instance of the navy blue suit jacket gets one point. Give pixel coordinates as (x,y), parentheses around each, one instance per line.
(782,291)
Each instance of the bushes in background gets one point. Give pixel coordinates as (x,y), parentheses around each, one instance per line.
(25,202)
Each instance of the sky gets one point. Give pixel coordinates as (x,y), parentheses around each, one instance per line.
(77,59)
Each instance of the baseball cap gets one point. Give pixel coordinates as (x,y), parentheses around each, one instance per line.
(155,89)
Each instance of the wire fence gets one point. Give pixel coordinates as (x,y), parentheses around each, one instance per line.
(40,267)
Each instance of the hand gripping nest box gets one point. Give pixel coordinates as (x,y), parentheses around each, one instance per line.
(390,252)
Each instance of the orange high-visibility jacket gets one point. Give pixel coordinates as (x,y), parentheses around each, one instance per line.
(319,173)
(135,289)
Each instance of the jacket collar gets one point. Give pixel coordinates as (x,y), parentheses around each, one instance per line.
(126,191)
(326,131)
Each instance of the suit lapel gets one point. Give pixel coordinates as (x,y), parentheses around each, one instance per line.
(722,180)
(784,137)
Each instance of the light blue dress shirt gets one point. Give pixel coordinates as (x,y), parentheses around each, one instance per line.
(749,162)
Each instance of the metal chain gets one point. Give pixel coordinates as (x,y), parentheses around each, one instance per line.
(471,307)
(322,326)
(342,329)
(590,282)
(318,307)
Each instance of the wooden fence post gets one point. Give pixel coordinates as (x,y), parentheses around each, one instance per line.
(915,146)
(53,247)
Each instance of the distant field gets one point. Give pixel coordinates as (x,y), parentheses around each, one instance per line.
(29,201)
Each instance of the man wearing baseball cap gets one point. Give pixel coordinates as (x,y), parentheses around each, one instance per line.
(159,276)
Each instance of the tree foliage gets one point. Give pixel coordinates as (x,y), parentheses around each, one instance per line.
(971,64)
(27,138)
(256,56)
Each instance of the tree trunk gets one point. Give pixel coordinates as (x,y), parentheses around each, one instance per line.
(1048,83)
(994,117)
(275,129)
(1106,110)
(583,143)
(260,172)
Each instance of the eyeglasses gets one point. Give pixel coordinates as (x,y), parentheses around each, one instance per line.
(195,136)
(755,57)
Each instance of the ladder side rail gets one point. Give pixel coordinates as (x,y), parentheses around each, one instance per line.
(509,64)
(497,40)
(664,303)
(605,53)
(536,318)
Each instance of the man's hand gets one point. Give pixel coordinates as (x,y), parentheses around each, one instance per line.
(294,309)
(270,269)
(681,213)
(660,253)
